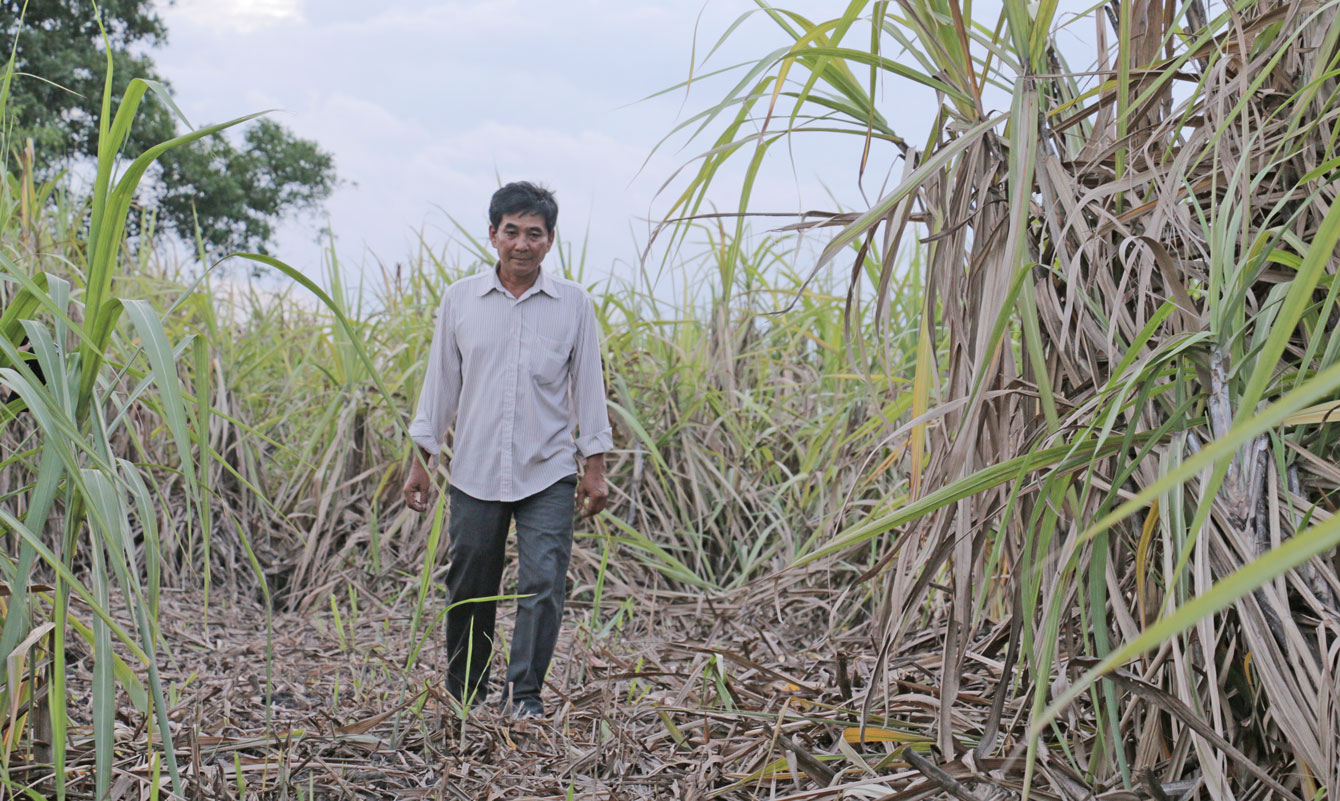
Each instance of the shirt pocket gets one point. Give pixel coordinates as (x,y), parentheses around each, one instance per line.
(548,359)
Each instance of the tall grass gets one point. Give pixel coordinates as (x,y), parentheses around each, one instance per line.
(166,425)
(1127,341)
(78,507)
(1082,426)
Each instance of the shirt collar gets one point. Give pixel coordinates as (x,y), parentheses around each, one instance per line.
(544,283)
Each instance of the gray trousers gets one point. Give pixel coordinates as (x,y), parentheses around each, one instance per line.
(478,532)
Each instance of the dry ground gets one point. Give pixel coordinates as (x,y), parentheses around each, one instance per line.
(667,696)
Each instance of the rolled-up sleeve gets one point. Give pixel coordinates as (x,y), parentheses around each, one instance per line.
(588,388)
(441,391)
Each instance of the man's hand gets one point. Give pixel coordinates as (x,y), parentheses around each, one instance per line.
(417,484)
(592,491)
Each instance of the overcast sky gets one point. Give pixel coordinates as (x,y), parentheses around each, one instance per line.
(427,104)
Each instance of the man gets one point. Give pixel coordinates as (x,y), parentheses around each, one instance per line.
(515,360)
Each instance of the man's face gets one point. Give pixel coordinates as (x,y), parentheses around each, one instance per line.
(522,242)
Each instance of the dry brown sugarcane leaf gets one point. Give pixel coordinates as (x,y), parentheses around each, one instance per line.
(933,772)
(1192,721)
(1004,679)
(4,589)
(1288,679)
(1185,305)
(827,220)
(369,723)
(1319,467)
(1322,413)
(874,734)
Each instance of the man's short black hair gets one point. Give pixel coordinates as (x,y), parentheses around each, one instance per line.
(524,197)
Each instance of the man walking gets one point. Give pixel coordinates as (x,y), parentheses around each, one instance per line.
(515,361)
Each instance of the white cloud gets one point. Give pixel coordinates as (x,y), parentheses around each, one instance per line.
(427,104)
(514,18)
(242,16)
(404,176)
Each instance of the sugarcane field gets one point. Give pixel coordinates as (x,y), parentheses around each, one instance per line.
(860,401)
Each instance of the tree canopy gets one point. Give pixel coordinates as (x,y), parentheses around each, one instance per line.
(236,191)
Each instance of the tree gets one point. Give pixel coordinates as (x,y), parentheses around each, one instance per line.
(236,192)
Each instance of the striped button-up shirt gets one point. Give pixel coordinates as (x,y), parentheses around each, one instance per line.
(516,374)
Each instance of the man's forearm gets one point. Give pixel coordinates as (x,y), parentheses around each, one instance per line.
(595,463)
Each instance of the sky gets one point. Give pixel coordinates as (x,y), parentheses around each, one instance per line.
(427,105)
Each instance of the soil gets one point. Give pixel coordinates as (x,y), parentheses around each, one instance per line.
(655,695)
